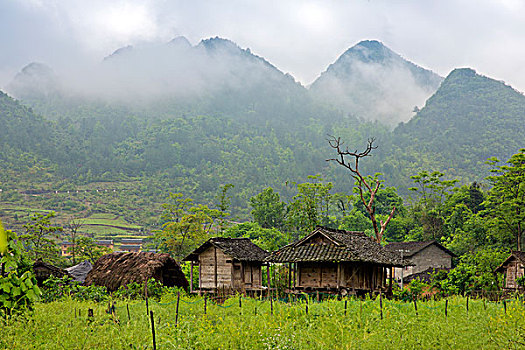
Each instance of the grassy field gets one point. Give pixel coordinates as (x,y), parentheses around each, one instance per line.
(252,325)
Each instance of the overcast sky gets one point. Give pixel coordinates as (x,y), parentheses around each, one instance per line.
(300,37)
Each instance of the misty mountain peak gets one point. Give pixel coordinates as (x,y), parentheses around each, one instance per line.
(219,45)
(373,82)
(180,42)
(120,52)
(369,51)
(35,69)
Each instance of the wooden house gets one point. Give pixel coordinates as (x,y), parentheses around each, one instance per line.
(233,264)
(513,268)
(336,261)
(420,257)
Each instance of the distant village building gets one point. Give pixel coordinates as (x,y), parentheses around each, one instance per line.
(131,245)
(231,264)
(421,257)
(513,268)
(336,261)
(66,247)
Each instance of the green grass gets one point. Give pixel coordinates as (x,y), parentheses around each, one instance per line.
(57,325)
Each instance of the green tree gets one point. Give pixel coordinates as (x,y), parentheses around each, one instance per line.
(269,239)
(88,249)
(186,225)
(506,199)
(40,238)
(267,209)
(310,206)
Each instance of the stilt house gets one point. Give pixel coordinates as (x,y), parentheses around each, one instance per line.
(513,268)
(336,261)
(233,264)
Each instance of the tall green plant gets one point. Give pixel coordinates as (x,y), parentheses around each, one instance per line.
(18,288)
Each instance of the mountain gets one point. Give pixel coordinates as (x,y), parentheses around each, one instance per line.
(214,77)
(469,119)
(372,82)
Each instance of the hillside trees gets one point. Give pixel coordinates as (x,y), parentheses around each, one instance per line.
(267,209)
(506,199)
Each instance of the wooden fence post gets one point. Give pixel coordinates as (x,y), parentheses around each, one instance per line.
(271,306)
(505,306)
(467,305)
(153,330)
(146,296)
(415,305)
(346,303)
(307,304)
(205,301)
(177,310)
(446,307)
(129,317)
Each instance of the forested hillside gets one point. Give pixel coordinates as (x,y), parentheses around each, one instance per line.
(242,122)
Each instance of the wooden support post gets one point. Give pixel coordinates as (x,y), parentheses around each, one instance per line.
(191,276)
(505,306)
(390,281)
(269,285)
(215,266)
(289,276)
(200,279)
(338,277)
(381,303)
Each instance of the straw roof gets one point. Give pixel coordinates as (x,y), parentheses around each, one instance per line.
(119,269)
(343,246)
(242,249)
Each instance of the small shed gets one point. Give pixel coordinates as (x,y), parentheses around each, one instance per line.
(80,271)
(420,256)
(43,271)
(513,268)
(336,261)
(119,269)
(228,263)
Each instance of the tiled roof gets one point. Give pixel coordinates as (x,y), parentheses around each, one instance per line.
(411,248)
(345,246)
(242,249)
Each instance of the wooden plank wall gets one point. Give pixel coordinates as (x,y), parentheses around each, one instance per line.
(215,271)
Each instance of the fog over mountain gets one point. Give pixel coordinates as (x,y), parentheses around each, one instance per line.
(374,83)
(369,82)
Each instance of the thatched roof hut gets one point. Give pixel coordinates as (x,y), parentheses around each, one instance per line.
(43,271)
(119,269)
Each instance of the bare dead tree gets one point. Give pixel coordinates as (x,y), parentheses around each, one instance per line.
(350,160)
